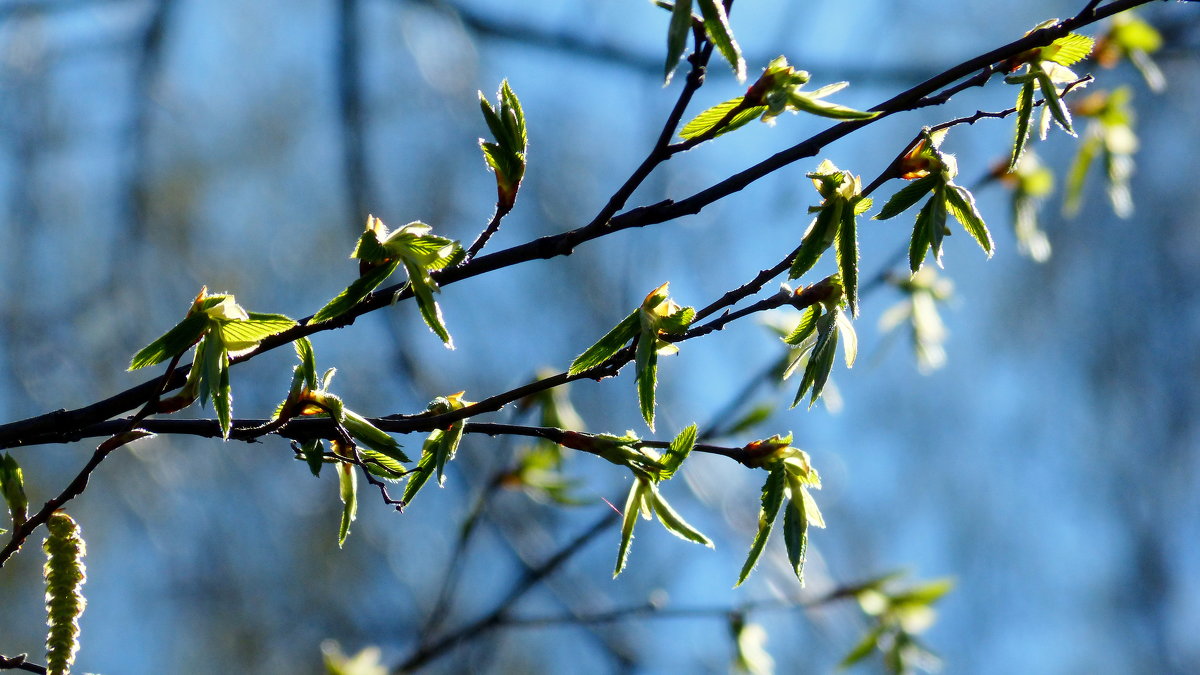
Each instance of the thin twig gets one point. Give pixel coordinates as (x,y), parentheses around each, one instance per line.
(496,617)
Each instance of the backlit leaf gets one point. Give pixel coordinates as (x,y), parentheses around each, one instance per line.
(605,347)
(772,498)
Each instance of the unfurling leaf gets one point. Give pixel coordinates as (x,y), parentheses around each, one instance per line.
(65,575)
(677,35)
(772,498)
(506,155)
(716,25)
(658,315)
(633,506)
(678,451)
(722,118)
(348,489)
(606,346)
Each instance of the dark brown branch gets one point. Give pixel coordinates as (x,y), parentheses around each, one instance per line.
(498,615)
(350,109)
(18,662)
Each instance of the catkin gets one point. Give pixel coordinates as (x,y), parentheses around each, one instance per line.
(65,575)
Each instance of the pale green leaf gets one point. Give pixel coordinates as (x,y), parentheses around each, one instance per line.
(961,204)
(633,505)
(647,376)
(702,123)
(1024,115)
(348,487)
(716,24)
(672,521)
(678,451)
(420,475)
(355,292)
(795,535)
(818,238)
(605,347)
(677,35)
(847,257)
(906,196)
(175,341)
(822,108)
(772,498)
(361,429)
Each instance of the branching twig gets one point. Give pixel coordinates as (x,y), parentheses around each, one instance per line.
(496,617)
(12,434)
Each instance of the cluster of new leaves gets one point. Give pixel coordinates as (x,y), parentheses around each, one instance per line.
(440,446)
(932,171)
(1029,184)
(505,156)
(790,475)
(715,21)
(900,615)
(220,330)
(65,574)
(380,251)
(777,90)
(749,640)
(539,468)
(924,291)
(644,498)
(1109,137)
(658,316)
(357,442)
(1130,37)
(1045,71)
(836,221)
(814,342)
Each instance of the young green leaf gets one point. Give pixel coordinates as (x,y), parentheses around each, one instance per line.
(647,377)
(608,345)
(1068,49)
(1024,115)
(863,648)
(906,196)
(820,363)
(847,257)
(795,535)
(423,288)
(772,498)
(730,115)
(313,452)
(805,327)
(633,506)
(928,231)
(819,237)
(716,25)
(355,292)
(172,343)
(348,489)
(848,337)
(961,204)
(373,437)
(677,35)
(672,521)
(65,575)
(678,451)
(1054,102)
(811,104)
(245,335)
(419,475)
